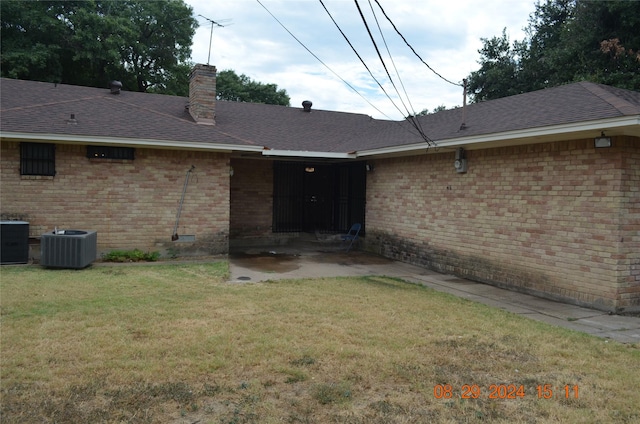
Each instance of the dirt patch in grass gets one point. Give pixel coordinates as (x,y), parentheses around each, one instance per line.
(176,343)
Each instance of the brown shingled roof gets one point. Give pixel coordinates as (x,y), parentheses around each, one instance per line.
(44,108)
(571,103)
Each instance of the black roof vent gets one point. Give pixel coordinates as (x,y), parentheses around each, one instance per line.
(306,105)
(115,87)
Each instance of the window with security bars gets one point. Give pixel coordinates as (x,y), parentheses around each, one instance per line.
(37,159)
(110,152)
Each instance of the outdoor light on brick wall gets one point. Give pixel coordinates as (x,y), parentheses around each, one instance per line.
(602,141)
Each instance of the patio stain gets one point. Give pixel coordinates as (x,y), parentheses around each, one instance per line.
(267,261)
(350,258)
(291,259)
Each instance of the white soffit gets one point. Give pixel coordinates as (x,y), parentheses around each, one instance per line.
(308,154)
(628,125)
(135,142)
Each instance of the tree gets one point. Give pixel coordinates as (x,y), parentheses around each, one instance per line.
(424,112)
(163,32)
(175,81)
(498,75)
(31,37)
(604,42)
(544,61)
(241,88)
(567,41)
(144,44)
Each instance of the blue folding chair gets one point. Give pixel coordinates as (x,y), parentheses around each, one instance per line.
(352,235)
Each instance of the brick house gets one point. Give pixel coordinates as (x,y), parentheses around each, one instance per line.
(538,192)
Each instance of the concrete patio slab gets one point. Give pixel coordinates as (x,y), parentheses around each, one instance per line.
(294,262)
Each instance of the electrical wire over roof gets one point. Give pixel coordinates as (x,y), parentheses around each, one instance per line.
(412,119)
(409,112)
(320,60)
(412,49)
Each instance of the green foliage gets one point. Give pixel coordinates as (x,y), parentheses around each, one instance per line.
(429,112)
(144,44)
(608,30)
(542,55)
(498,74)
(567,41)
(135,255)
(327,393)
(295,376)
(303,361)
(30,35)
(240,88)
(176,82)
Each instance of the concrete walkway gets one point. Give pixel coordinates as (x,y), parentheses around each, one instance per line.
(292,262)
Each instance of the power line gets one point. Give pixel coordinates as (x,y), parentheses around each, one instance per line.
(359,57)
(412,49)
(369,70)
(375,45)
(320,60)
(420,133)
(391,57)
(411,116)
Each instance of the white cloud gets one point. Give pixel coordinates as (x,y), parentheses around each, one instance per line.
(446,34)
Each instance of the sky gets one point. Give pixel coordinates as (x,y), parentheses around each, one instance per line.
(446,34)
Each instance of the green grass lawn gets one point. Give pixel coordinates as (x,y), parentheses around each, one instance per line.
(177,343)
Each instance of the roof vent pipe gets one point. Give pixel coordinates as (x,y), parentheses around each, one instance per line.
(306,105)
(463,125)
(115,87)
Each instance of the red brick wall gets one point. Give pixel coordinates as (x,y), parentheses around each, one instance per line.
(131,204)
(546,218)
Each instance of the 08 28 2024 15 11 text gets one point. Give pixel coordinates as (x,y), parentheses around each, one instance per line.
(503,391)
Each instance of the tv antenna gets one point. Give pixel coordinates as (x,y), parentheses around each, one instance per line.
(213,23)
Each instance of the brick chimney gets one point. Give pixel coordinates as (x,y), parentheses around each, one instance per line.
(202,94)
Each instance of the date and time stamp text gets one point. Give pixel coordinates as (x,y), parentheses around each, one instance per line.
(504,391)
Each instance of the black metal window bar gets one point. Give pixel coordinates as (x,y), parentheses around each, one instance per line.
(37,159)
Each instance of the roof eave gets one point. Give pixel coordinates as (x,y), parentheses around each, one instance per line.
(131,142)
(626,125)
(309,154)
